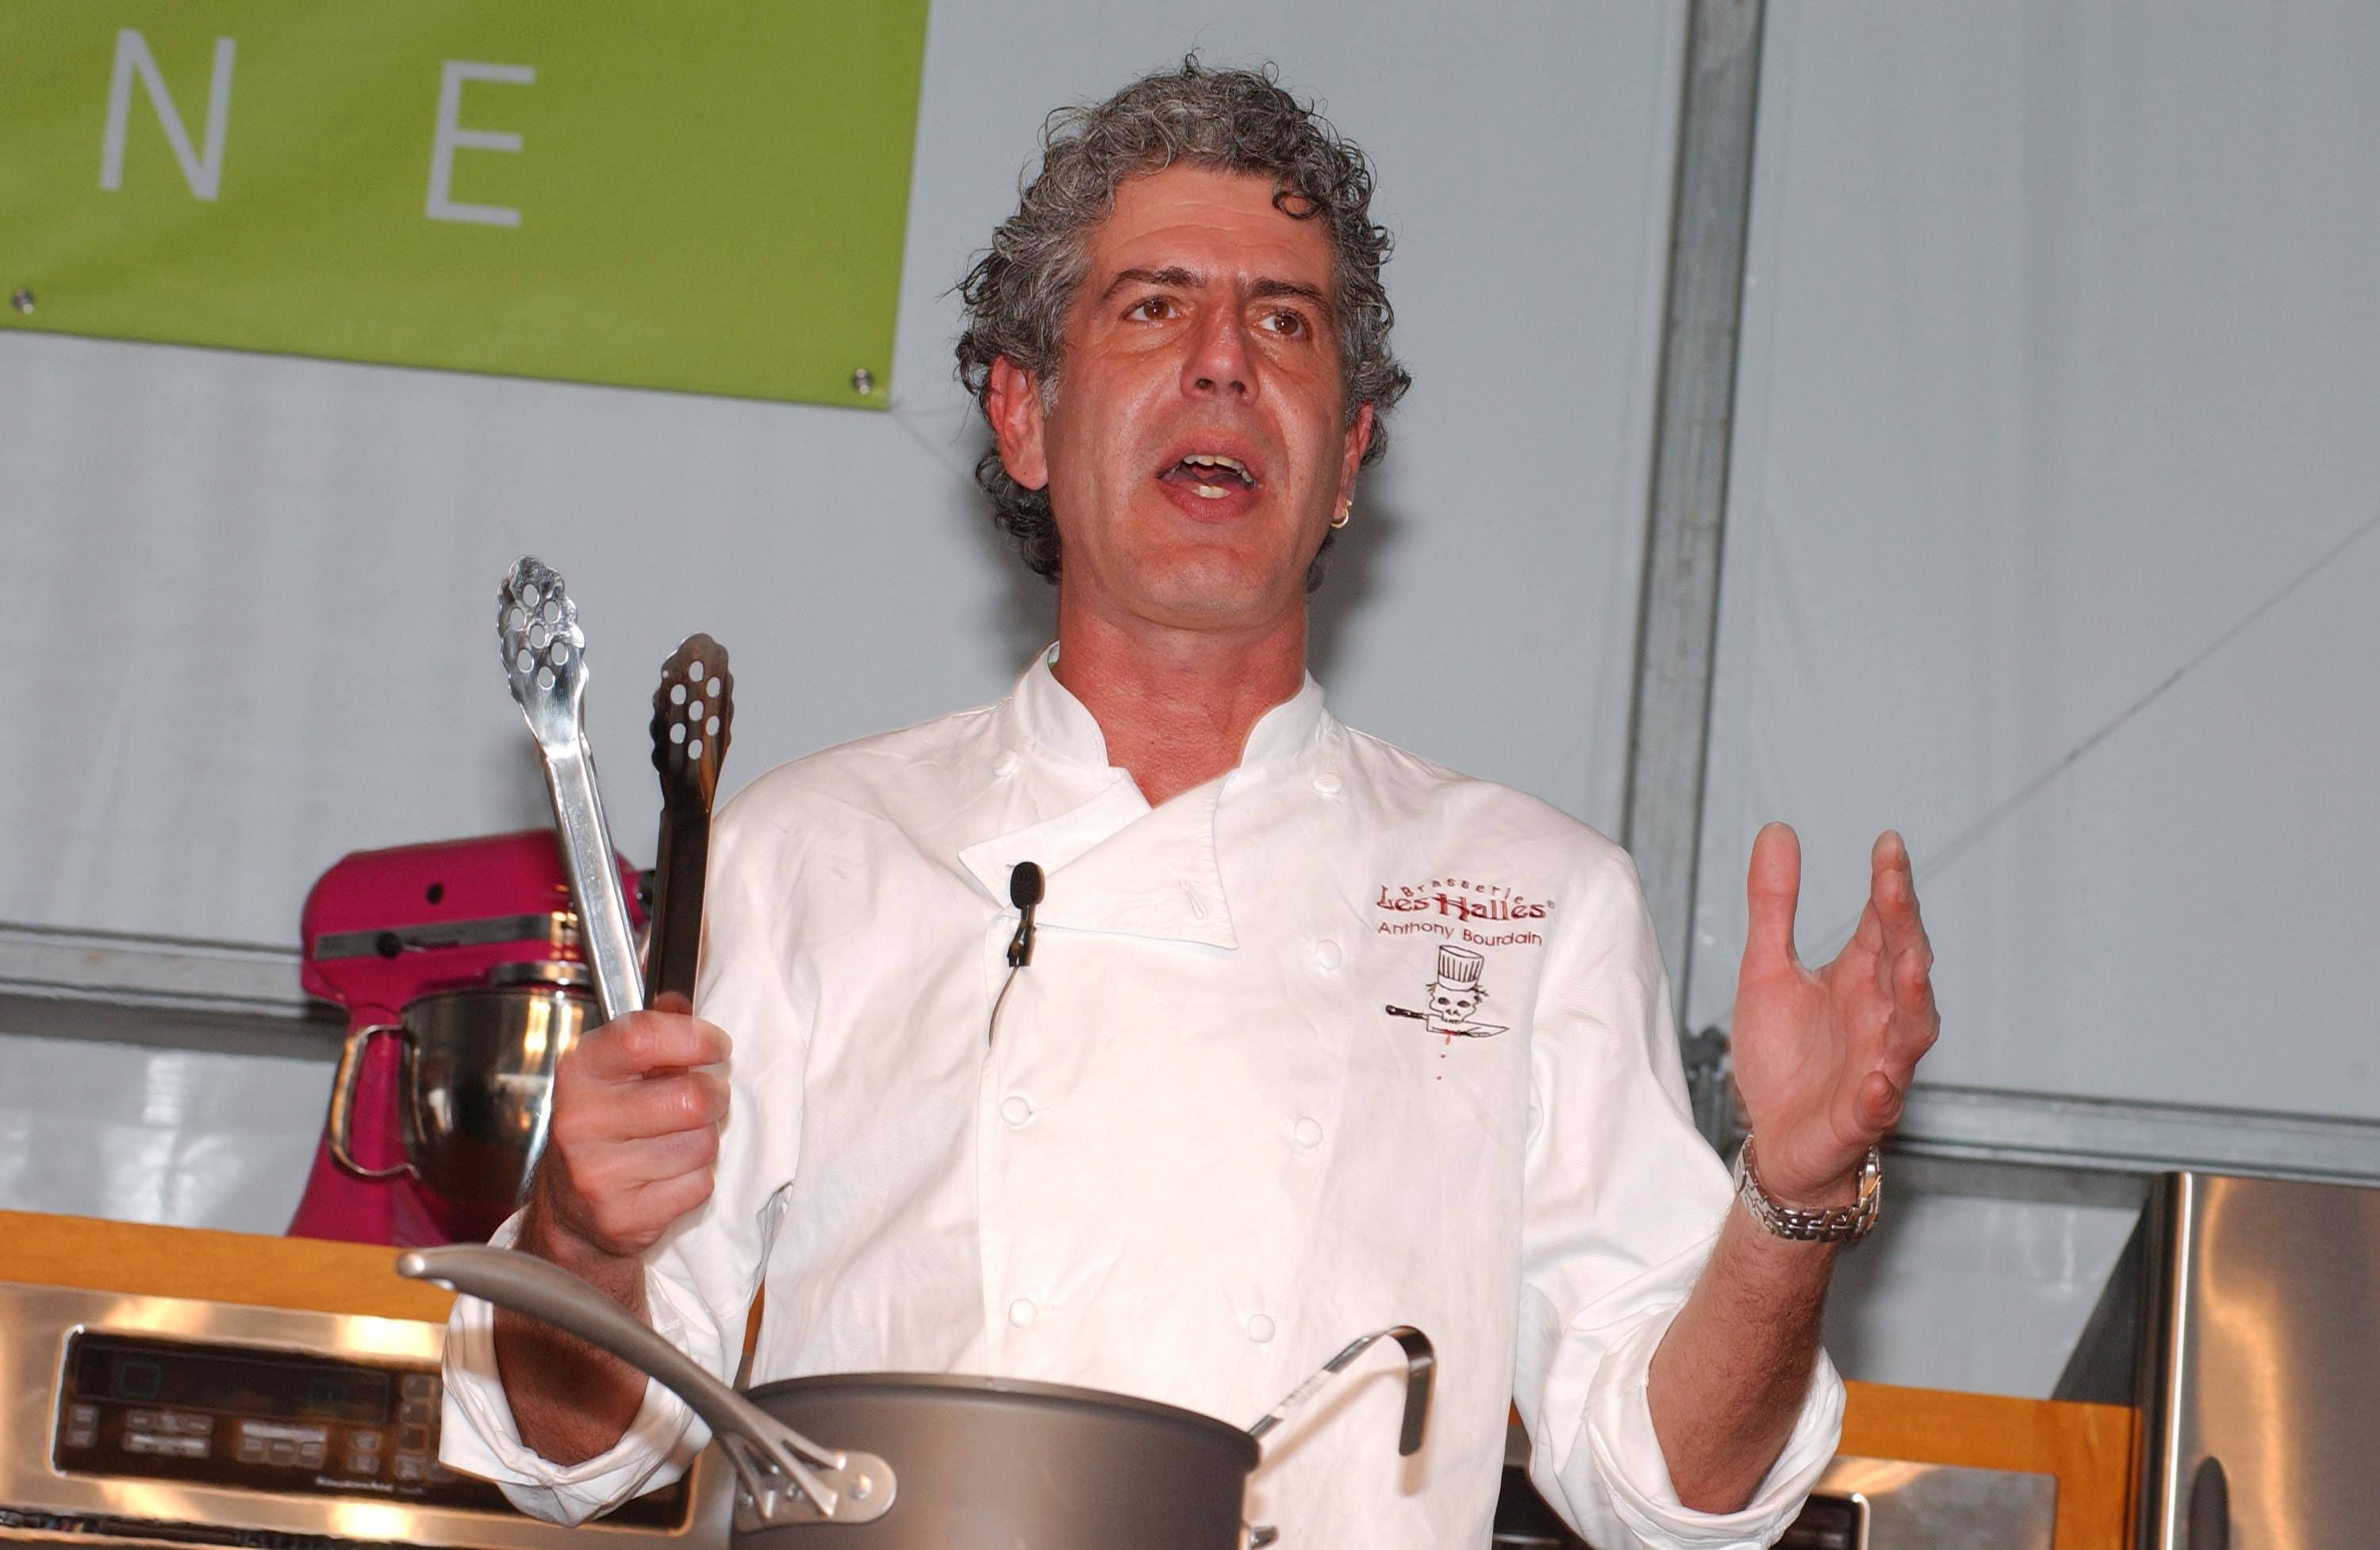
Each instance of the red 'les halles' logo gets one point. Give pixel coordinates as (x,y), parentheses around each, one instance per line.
(1461,898)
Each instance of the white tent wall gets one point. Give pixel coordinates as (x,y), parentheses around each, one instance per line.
(247,601)
(2047,544)
(147,1133)
(2050,542)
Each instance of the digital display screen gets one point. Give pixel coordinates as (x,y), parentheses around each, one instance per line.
(283,1387)
(277,1420)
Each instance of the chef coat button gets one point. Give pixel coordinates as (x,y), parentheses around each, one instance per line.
(1309,1131)
(1022,1314)
(1326,953)
(1007,764)
(1327,783)
(1260,1329)
(1016,1109)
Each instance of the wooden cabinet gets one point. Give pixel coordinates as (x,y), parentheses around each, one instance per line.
(212,1266)
(2088,1447)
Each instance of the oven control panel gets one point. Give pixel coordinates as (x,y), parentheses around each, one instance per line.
(274,1421)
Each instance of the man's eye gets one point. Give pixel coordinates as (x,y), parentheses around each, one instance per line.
(1287,323)
(1151,309)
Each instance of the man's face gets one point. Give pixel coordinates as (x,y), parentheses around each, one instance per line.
(1203,331)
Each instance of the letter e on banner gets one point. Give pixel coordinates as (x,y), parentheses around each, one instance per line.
(451,137)
(201,171)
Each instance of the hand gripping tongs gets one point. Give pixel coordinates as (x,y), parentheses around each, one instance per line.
(545,660)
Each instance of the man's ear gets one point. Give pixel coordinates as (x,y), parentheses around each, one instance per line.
(1012,402)
(1351,455)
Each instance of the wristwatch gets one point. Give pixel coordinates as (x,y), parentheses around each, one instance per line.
(1834,1224)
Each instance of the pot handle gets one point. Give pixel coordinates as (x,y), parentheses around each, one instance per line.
(1421,1368)
(343,1103)
(844,1488)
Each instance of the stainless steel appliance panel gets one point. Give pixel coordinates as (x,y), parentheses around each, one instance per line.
(139,1419)
(2259,1370)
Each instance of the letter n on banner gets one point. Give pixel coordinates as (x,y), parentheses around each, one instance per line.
(201,171)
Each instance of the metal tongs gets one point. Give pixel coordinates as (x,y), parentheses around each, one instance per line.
(694,718)
(545,658)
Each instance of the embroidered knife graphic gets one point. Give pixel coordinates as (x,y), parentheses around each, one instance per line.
(1463,1030)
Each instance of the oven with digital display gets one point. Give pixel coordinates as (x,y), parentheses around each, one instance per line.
(187,1422)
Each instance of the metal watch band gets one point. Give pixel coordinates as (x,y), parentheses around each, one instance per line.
(1834,1224)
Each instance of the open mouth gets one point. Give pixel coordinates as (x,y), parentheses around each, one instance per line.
(1210,476)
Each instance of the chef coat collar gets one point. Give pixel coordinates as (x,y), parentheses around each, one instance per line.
(1112,864)
(1046,714)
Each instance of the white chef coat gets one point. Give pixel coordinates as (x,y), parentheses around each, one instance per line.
(1201,1153)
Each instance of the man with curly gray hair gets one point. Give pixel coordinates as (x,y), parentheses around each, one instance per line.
(1019,292)
(1151,1031)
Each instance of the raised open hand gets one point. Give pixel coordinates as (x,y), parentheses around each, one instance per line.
(1823,1056)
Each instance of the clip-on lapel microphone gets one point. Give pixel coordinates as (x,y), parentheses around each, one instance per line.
(1025,892)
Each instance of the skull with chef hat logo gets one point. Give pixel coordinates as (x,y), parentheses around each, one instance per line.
(1455,996)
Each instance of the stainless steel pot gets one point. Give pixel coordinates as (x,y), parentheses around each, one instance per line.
(475,1081)
(935,1462)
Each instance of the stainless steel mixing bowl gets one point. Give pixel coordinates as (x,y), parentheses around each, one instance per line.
(475,1084)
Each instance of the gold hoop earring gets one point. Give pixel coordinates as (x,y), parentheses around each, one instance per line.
(1346,510)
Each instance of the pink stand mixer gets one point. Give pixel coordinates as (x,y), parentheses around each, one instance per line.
(459,966)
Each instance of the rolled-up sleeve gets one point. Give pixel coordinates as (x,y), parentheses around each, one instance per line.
(700,1277)
(1623,1202)
(477,1434)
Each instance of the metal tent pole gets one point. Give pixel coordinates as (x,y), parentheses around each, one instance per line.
(1677,620)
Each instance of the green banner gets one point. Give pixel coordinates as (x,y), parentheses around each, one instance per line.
(706,195)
